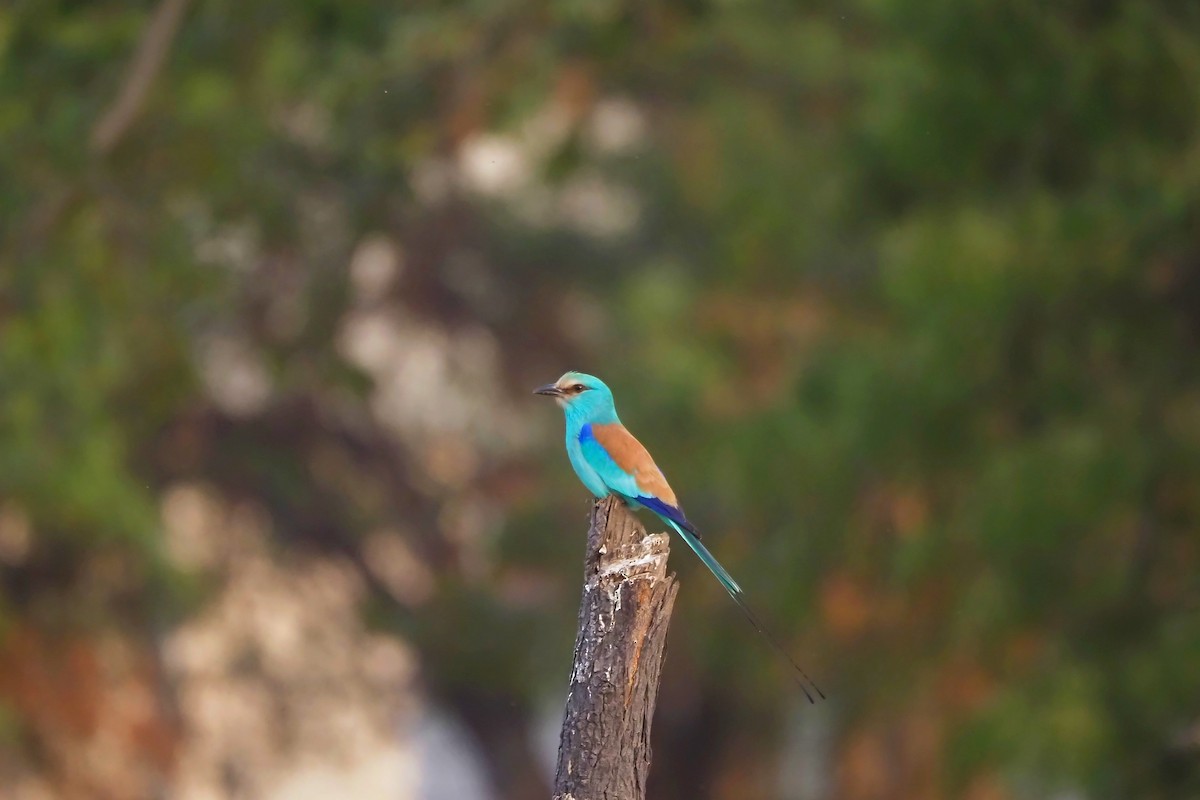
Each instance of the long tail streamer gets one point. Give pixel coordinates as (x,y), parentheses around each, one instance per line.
(736,593)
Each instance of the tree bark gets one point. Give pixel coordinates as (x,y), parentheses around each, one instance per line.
(604,751)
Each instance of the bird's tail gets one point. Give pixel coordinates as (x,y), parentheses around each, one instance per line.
(735,591)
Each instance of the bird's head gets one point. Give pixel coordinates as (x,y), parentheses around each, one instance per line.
(580,394)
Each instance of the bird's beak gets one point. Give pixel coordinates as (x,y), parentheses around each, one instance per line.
(550,390)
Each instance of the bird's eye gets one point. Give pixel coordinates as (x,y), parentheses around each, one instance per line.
(579,387)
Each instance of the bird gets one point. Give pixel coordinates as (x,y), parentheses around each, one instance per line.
(610,461)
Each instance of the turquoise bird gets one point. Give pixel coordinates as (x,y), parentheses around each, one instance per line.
(609,460)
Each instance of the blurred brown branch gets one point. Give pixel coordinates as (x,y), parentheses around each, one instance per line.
(58,201)
(147,61)
(604,751)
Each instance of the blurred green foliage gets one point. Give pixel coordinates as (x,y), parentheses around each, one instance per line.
(909,313)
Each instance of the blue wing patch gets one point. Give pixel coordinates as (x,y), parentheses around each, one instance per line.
(585,434)
(669,512)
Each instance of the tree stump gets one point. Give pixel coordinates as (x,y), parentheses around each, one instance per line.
(604,751)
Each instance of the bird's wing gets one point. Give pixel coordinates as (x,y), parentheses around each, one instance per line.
(627,468)
(619,449)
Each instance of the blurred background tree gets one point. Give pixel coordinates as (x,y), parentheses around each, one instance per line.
(905,298)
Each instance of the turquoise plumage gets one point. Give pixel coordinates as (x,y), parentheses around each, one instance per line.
(608,460)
